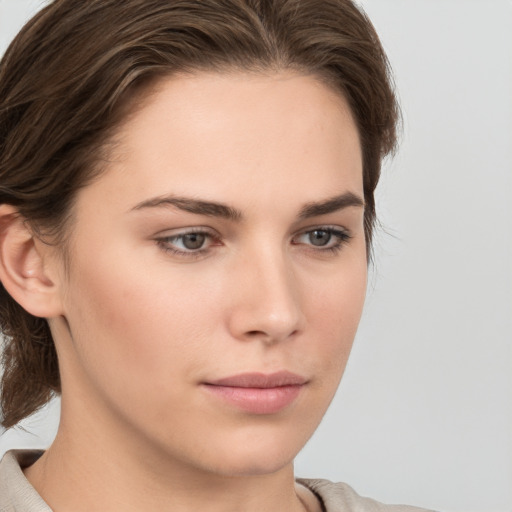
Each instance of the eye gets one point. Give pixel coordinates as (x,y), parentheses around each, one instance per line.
(319,237)
(192,241)
(323,238)
(187,243)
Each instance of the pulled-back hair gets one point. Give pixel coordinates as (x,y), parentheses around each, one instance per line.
(65,82)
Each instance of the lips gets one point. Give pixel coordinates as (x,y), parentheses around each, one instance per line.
(258,393)
(261,380)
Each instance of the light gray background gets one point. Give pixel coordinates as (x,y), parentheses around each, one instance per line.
(424,414)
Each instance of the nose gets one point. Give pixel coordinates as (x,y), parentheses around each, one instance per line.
(265,299)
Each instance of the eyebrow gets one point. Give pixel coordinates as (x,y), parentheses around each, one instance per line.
(315,209)
(214,209)
(197,206)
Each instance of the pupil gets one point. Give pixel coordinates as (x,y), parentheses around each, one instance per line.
(194,240)
(319,237)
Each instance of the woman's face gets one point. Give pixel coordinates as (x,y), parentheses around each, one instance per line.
(217,272)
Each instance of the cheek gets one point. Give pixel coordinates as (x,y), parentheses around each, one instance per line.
(334,312)
(138,343)
(130,324)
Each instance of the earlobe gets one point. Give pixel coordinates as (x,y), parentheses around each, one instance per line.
(23,272)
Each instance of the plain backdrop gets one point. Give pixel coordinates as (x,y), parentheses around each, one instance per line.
(424,413)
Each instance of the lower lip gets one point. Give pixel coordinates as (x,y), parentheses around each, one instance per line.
(257,400)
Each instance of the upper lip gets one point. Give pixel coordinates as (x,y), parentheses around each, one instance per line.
(260,380)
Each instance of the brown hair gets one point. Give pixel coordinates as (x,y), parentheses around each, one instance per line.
(68,74)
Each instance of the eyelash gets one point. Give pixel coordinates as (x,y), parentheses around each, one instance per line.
(164,243)
(341,238)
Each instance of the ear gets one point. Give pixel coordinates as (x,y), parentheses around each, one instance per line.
(25,269)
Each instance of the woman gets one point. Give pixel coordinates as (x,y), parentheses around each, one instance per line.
(186,215)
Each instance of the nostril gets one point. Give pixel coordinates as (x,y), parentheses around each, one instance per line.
(253,334)
(267,337)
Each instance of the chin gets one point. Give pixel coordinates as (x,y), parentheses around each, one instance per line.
(260,454)
(256,464)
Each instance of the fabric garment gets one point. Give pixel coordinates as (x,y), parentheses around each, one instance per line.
(17,495)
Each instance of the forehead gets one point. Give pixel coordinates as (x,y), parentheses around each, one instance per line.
(237,135)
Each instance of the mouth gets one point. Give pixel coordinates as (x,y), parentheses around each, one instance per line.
(258,393)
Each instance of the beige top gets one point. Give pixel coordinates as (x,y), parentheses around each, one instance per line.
(17,495)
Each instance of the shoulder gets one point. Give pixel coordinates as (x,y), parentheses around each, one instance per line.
(340,497)
(16,493)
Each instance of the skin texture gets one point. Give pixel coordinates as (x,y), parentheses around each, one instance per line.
(140,328)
